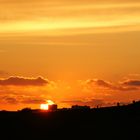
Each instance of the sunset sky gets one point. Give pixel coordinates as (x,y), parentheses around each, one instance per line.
(84,52)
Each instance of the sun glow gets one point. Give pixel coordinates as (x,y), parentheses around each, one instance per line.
(46,106)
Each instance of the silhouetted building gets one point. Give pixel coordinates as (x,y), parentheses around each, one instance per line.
(133,101)
(118,104)
(77,107)
(52,107)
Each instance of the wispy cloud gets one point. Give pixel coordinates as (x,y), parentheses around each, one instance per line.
(3,73)
(91,102)
(42,15)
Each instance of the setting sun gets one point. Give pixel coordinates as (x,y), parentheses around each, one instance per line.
(46,106)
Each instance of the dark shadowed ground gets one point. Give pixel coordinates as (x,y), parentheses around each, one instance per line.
(121,123)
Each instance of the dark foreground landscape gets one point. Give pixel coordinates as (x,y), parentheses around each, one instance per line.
(120,122)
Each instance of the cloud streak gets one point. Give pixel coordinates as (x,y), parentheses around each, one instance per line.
(3,73)
(22,81)
(41,15)
(15,99)
(92,102)
(130,82)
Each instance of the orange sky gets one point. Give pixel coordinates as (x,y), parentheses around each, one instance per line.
(68,44)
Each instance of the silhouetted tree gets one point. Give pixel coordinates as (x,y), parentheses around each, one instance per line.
(26,109)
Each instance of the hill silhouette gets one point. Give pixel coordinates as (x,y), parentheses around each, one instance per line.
(117,122)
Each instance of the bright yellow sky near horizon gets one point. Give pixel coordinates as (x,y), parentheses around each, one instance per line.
(70,41)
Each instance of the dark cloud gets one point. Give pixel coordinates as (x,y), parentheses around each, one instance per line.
(111,86)
(99,82)
(22,81)
(131,83)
